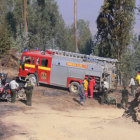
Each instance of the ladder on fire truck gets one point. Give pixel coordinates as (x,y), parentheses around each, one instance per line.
(83,56)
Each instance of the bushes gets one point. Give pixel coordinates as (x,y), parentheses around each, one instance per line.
(5,42)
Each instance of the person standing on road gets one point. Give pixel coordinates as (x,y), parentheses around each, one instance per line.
(86,86)
(92,83)
(14,86)
(103,93)
(124,97)
(138,78)
(28,91)
(82,93)
(132,86)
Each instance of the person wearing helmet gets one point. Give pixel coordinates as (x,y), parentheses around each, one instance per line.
(86,86)
(92,83)
(138,78)
(2,79)
(28,91)
(82,93)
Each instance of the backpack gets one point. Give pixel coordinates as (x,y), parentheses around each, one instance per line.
(29,86)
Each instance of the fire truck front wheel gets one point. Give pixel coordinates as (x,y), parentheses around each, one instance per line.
(74,87)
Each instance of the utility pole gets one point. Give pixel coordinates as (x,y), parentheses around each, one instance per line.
(75,23)
(25,17)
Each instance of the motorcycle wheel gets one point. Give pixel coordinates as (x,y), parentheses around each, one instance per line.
(6,96)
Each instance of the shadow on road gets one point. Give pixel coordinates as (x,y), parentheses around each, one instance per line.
(77,101)
(7,130)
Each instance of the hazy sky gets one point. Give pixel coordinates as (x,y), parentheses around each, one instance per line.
(87,10)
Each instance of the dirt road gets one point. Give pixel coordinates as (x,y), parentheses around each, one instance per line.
(56,115)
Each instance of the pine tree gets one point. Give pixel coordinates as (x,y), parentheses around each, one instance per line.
(44,22)
(84,37)
(115,23)
(5,42)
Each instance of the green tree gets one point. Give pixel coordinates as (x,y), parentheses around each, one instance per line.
(136,54)
(44,23)
(130,64)
(84,37)
(5,42)
(115,24)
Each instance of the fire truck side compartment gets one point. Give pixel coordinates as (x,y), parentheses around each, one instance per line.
(60,71)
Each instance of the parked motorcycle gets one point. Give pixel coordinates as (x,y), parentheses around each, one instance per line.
(5,91)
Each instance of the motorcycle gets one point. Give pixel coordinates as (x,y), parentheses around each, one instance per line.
(5,91)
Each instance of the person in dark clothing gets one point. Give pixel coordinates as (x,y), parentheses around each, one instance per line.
(82,93)
(103,94)
(28,92)
(3,78)
(124,97)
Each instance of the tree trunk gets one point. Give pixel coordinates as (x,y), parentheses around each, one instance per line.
(25,17)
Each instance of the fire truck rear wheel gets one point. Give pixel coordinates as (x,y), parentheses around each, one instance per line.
(74,87)
(34,78)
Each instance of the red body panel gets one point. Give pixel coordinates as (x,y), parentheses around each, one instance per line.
(34,66)
(1,90)
(44,72)
(69,80)
(8,91)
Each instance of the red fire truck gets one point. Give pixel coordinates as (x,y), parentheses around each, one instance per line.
(63,69)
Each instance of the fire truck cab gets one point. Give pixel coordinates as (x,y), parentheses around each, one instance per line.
(58,69)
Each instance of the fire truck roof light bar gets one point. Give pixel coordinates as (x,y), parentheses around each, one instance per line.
(36,49)
(78,55)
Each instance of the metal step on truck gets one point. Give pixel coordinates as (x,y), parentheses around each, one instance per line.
(61,68)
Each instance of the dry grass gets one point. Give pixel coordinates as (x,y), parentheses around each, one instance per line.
(12,72)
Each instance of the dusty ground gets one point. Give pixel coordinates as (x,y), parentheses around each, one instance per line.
(57,115)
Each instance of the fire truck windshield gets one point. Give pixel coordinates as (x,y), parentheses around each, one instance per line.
(26,59)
